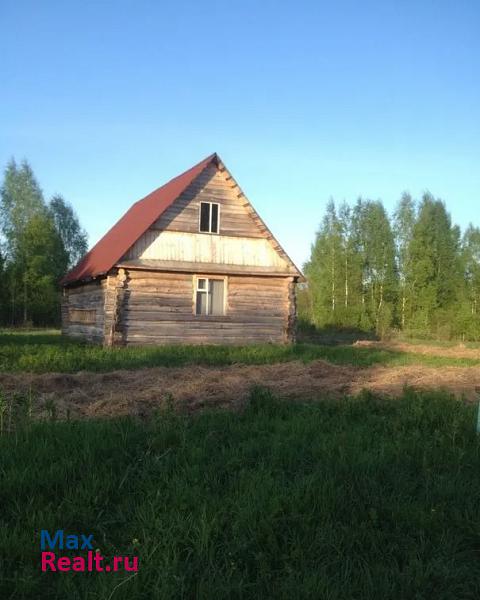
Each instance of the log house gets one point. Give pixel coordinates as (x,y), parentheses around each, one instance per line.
(190,263)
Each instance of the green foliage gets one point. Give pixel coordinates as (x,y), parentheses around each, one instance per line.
(468,316)
(352,272)
(417,274)
(403,224)
(22,199)
(40,243)
(46,263)
(3,287)
(325,270)
(73,237)
(434,274)
(360,498)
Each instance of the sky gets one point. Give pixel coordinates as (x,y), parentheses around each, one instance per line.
(303,101)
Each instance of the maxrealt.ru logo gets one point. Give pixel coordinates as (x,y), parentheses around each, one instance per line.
(91,561)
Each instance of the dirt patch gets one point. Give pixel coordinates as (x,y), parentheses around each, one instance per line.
(191,388)
(459,351)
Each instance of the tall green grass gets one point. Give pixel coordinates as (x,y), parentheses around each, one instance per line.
(41,353)
(358,499)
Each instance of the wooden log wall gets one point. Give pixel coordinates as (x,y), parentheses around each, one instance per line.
(87,297)
(158,308)
(114,293)
(291,330)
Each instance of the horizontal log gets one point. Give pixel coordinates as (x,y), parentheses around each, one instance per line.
(240,314)
(150,300)
(261,286)
(74,328)
(210,337)
(255,299)
(142,318)
(250,302)
(231,231)
(86,304)
(203,340)
(97,294)
(86,287)
(211,329)
(134,275)
(256,280)
(157,314)
(228,226)
(159,293)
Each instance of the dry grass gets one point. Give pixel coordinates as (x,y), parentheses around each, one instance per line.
(140,392)
(458,351)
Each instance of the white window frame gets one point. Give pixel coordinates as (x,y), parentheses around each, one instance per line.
(207,278)
(210,217)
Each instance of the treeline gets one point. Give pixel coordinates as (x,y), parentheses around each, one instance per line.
(415,272)
(40,240)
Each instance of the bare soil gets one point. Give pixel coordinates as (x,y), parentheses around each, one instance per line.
(139,392)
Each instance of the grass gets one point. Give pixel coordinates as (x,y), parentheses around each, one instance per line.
(364,499)
(41,352)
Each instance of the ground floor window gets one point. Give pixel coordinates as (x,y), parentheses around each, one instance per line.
(209,296)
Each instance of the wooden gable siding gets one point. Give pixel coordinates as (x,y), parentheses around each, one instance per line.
(211,186)
(206,248)
(87,299)
(158,308)
(241,240)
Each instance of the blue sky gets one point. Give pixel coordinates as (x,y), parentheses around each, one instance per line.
(302,100)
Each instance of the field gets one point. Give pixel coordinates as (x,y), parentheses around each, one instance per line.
(260,472)
(79,380)
(41,352)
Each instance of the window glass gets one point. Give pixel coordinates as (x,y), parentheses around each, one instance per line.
(209,217)
(205,216)
(216,296)
(201,305)
(214,217)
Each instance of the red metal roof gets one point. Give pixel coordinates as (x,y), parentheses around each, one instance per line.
(115,243)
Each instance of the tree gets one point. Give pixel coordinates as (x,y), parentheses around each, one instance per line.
(21,200)
(73,237)
(47,262)
(3,291)
(416,271)
(404,221)
(376,246)
(352,273)
(434,273)
(352,267)
(353,260)
(468,314)
(325,270)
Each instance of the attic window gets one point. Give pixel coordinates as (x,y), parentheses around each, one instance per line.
(209,297)
(209,217)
